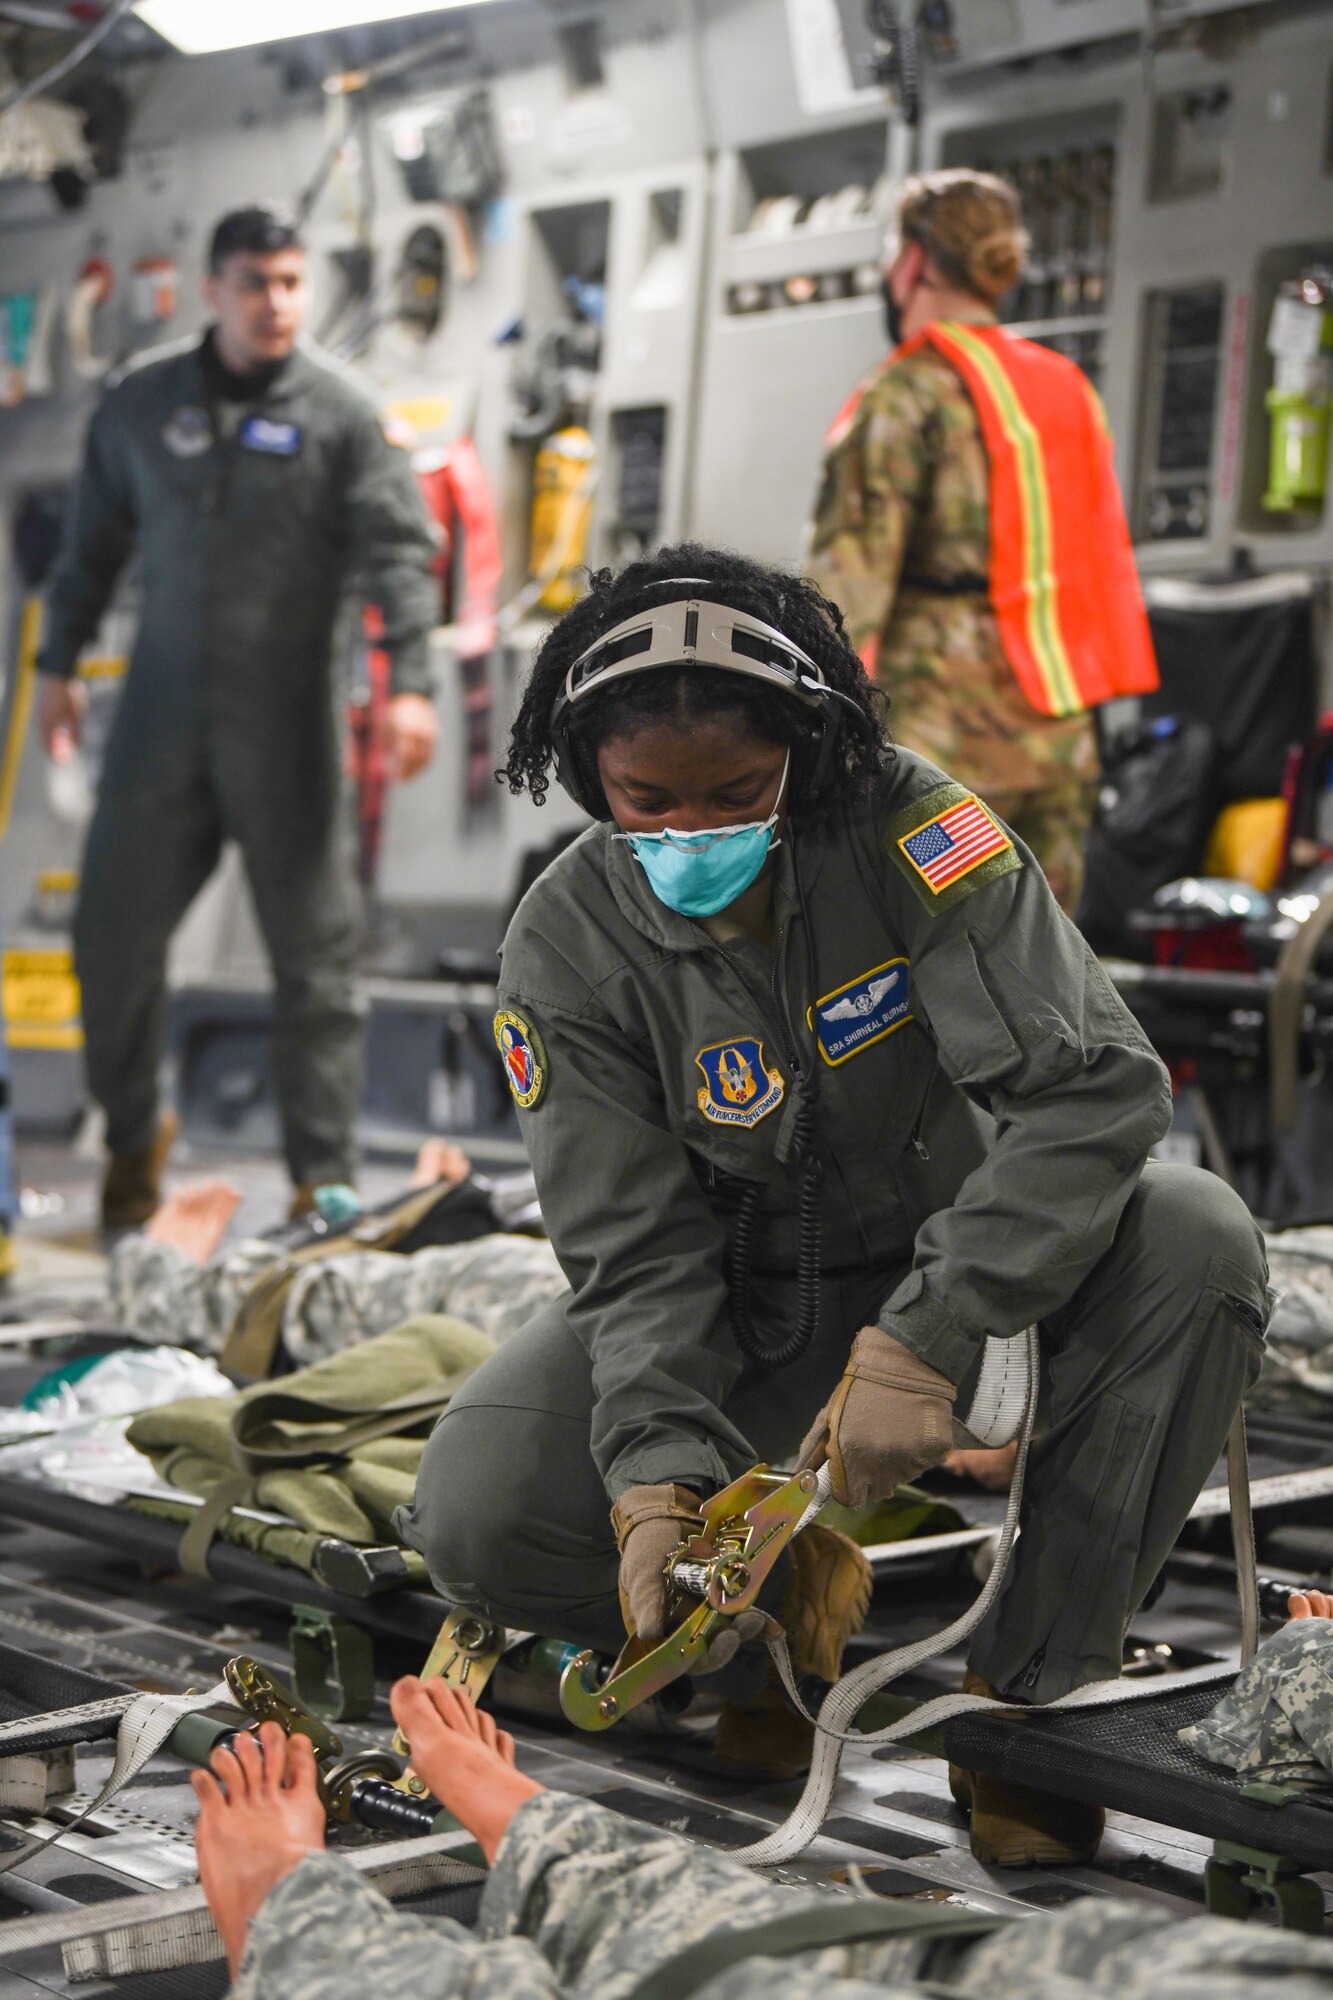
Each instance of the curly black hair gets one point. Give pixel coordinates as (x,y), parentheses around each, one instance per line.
(788,602)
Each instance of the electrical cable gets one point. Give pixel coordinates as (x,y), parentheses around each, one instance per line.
(69,61)
(893,25)
(318,181)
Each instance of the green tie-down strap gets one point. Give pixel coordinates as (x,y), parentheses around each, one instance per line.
(335,1450)
(814,1927)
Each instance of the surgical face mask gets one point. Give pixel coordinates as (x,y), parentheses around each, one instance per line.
(698,874)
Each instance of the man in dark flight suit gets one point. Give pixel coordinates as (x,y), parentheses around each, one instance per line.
(254,485)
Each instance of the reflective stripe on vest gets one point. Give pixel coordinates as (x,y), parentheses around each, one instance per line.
(1063,582)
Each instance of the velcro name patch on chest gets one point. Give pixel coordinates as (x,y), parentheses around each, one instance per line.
(268,434)
(862,1012)
(948,844)
(739,1088)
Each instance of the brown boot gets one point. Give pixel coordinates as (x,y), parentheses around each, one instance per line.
(824,1602)
(132,1185)
(302,1202)
(1016,1826)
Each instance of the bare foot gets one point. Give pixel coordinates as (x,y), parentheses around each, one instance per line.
(440,1160)
(467,1762)
(194,1219)
(255,1831)
(1310,1604)
(992,1469)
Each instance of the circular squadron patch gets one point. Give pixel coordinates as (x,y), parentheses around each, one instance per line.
(524,1058)
(188,432)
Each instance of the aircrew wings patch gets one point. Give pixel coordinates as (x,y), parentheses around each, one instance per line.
(949,844)
(523,1057)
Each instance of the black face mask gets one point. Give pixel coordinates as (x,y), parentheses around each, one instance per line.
(893,313)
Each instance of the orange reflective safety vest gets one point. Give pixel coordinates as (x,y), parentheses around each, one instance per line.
(1063,582)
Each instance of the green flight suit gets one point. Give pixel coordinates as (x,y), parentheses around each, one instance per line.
(986,1106)
(249,524)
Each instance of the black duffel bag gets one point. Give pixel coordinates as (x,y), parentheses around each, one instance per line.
(1156,808)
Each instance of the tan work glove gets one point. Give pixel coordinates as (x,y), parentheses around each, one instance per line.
(889,1418)
(650,1524)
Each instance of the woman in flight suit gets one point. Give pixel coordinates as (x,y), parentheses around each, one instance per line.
(820,1089)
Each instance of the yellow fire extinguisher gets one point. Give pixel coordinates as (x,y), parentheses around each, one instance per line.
(1300,339)
(563,477)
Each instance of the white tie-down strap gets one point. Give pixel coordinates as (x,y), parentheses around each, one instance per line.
(995,1415)
(847,1697)
(144,1728)
(150,1931)
(19,1733)
(845,1700)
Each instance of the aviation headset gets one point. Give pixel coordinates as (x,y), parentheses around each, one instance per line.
(697,631)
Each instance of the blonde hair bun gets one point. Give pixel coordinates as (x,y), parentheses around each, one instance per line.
(996,262)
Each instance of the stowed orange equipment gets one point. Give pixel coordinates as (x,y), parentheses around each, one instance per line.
(1063,584)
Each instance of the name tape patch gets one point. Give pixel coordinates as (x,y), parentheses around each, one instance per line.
(949,847)
(739,1088)
(864,1011)
(268,434)
(523,1057)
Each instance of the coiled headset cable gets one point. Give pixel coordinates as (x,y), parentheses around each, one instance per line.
(782,1352)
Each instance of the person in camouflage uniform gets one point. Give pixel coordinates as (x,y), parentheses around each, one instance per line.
(178,1283)
(495,1282)
(901,537)
(581,1904)
(1297,1372)
(1275,1726)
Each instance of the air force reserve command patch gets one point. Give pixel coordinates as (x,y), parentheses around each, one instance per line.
(738,1089)
(524,1058)
(862,1012)
(948,844)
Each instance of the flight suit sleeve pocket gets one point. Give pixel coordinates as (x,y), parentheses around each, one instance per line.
(974,1039)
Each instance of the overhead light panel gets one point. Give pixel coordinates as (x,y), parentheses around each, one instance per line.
(202,27)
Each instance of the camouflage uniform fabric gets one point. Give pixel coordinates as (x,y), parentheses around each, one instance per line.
(1297,1373)
(904,501)
(494,1282)
(1277,1722)
(582,1904)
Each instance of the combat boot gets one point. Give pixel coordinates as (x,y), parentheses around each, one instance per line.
(132,1184)
(824,1602)
(1016,1826)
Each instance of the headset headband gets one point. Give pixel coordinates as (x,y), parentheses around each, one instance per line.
(694,631)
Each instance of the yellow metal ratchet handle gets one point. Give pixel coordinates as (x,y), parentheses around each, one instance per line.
(746,1528)
(262,1695)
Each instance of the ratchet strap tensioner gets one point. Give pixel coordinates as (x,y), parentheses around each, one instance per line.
(720,1571)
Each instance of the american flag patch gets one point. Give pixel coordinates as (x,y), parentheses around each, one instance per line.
(954,843)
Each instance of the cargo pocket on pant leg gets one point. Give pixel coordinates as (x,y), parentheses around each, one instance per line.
(1243,1304)
(1107,1500)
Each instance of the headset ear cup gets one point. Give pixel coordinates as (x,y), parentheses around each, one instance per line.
(575,776)
(589,793)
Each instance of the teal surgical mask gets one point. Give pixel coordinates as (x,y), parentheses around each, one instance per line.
(699,874)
